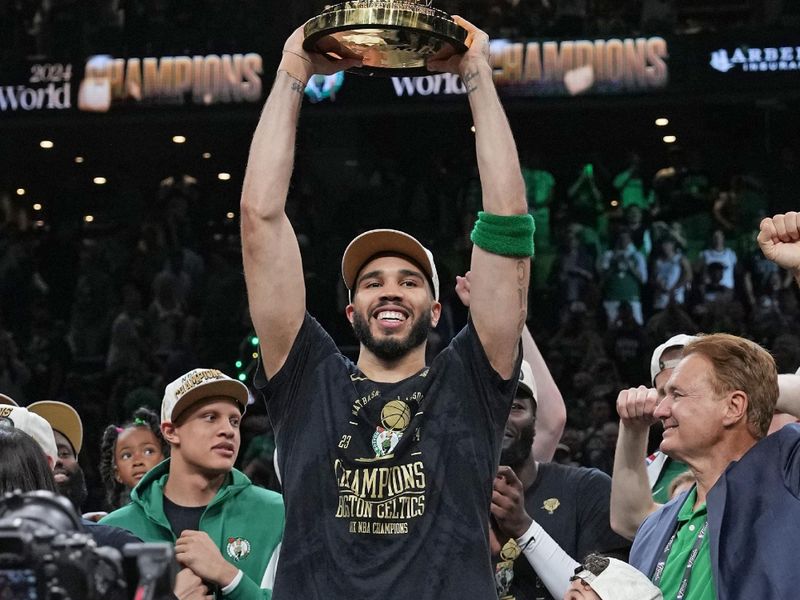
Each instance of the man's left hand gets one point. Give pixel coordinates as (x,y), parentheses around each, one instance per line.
(477,53)
(196,551)
(508,503)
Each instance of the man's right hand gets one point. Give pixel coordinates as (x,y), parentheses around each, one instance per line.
(636,406)
(508,503)
(302,64)
(779,239)
(189,586)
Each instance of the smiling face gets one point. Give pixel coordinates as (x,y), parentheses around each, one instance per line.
(136,452)
(67,463)
(519,433)
(692,412)
(206,437)
(393,308)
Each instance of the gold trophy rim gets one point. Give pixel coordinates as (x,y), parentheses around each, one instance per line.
(385,14)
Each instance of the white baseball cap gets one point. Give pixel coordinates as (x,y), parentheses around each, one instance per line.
(620,581)
(526,380)
(32,424)
(199,384)
(377,241)
(657,365)
(62,417)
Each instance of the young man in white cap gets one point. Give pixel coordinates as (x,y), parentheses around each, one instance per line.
(603,578)
(387,463)
(68,432)
(543,514)
(226,530)
(638,485)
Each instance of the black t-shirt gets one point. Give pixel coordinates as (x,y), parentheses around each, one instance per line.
(387,486)
(182,518)
(571,504)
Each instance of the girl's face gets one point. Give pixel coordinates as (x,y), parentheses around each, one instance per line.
(137,451)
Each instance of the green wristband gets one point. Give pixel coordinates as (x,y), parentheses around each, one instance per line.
(507,235)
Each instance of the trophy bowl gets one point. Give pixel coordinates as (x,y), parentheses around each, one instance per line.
(392,37)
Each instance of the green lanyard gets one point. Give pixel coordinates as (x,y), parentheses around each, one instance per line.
(687,572)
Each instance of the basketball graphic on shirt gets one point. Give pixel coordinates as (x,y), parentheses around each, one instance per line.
(396,415)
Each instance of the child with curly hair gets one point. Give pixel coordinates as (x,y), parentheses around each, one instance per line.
(128,452)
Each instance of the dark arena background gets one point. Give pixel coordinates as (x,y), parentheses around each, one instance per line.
(124,132)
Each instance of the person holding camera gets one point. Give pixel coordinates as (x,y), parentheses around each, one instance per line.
(624,273)
(227,532)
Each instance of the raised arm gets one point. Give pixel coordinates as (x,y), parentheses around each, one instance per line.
(631,499)
(499,283)
(551,414)
(789,394)
(779,239)
(272,265)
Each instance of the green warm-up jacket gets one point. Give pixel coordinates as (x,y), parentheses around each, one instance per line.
(245,521)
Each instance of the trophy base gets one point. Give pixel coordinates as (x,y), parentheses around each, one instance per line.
(392,37)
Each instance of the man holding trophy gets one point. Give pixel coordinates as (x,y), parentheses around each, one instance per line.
(387,464)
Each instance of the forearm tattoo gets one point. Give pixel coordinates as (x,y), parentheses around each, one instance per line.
(523,296)
(296,84)
(468,81)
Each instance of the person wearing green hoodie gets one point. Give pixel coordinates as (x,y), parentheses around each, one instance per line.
(226,531)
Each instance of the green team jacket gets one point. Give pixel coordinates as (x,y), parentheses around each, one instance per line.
(245,521)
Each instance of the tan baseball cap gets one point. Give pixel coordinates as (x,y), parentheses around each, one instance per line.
(526,380)
(32,424)
(392,241)
(197,385)
(7,400)
(62,417)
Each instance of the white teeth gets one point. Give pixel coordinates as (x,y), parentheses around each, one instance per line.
(391,315)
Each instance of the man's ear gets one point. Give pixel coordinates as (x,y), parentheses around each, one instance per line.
(170,433)
(348,312)
(736,408)
(436,313)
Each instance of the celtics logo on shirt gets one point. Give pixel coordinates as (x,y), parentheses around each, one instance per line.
(504,569)
(395,418)
(238,548)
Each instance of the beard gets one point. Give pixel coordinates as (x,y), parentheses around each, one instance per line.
(519,449)
(74,489)
(391,348)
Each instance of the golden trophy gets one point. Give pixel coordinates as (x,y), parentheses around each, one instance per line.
(392,37)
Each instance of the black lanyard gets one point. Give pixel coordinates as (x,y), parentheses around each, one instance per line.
(687,572)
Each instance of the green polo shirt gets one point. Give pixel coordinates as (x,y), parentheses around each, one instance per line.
(701,582)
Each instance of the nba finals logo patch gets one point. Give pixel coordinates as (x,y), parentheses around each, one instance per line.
(395,418)
(238,548)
